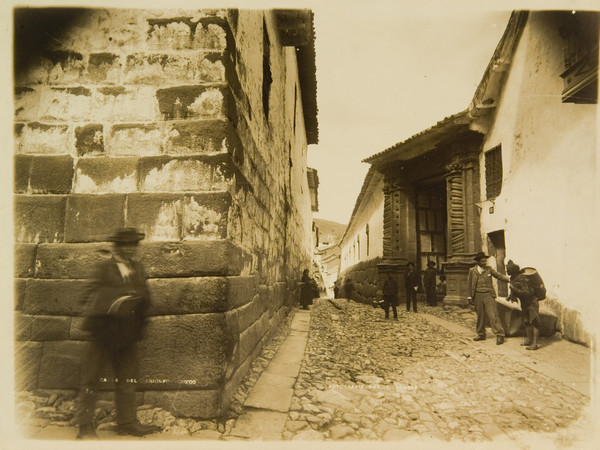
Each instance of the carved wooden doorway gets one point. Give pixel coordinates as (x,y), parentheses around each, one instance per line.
(431,224)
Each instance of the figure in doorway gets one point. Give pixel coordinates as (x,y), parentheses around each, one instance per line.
(483,296)
(429,282)
(390,296)
(412,280)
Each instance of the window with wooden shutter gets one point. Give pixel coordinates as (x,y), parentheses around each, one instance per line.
(493,173)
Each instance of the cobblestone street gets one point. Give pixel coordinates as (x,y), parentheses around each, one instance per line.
(365,377)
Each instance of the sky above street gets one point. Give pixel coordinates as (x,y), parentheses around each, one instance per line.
(384,73)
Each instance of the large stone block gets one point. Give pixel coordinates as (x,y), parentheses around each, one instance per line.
(193,259)
(159,68)
(201,136)
(156,215)
(200,404)
(26,101)
(75,261)
(249,338)
(106,175)
(19,293)
(27,365)
(24,262)
(22,326)
(42,139)
(204,216)
(89,139)
(211,32)
(93,217)
(50,328)
(60,365)
(241,290)
(171,217)
(66,104)
(170,33)
(202,173)
(76,332)
(135,139)
(53,67)
(188,295)
(249,313)
(51,174)
(104,68)
(125,104)
(187,351)
(39,218)
(54,297)
(195,102)
(21,173)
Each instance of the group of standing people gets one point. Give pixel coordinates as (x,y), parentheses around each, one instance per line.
(412,284)
(481,296)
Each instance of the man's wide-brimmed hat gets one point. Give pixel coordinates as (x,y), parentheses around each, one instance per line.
(480,255)
(430,264)
(124,235)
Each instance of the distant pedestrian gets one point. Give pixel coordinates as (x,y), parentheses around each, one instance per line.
(117,300)
(348,288)
(522,289)
(390,296)
(412,281)
(440,290)
(483,295)
(336,290)
(429,282)
(307,290)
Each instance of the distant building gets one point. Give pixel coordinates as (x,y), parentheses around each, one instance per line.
(193,127)
(362,245)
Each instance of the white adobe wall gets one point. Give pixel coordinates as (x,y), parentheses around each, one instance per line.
(549,158)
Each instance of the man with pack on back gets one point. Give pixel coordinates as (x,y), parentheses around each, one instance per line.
(522,288)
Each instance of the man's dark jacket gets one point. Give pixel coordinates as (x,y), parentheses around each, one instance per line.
(108,285)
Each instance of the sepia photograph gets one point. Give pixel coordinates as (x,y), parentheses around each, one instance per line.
(283,224)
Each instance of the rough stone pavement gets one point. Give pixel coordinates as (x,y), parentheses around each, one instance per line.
(422,378)
(355,376)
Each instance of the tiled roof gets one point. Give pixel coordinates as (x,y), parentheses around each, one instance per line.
(455,119)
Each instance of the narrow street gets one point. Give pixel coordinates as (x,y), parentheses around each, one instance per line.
(342,372)
(365,377)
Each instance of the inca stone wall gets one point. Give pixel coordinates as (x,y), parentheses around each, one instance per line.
(361,282)
(155,119)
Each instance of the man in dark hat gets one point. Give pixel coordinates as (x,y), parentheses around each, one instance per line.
(483,295)
(117,299)
(412,281)
(390,296)
(429,282)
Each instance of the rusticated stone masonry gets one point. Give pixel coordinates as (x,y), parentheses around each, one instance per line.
(150,119)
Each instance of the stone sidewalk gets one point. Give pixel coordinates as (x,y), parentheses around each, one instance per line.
(269,401)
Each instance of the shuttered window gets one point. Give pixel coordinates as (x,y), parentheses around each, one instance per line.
(493,172)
